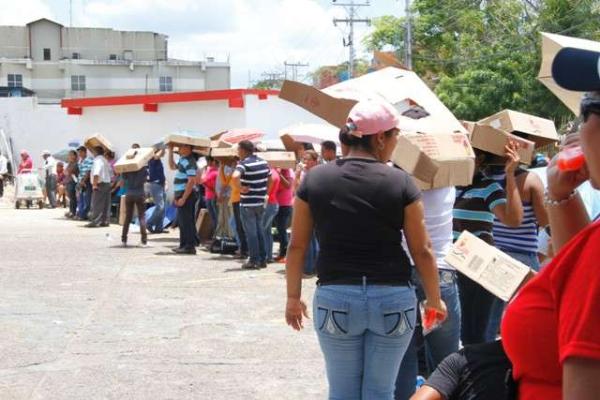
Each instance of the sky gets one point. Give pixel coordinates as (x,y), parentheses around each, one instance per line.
(257,36)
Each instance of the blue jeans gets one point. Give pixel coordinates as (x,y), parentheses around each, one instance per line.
(364,331)
(312,253)
(84,202)
(282,220)
(270,213)
(213,211)
(156,220)
(252,218)
(529,259)
(438,344)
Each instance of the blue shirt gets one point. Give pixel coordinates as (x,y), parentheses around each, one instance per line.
(186,168)
(156,171)
(85,166)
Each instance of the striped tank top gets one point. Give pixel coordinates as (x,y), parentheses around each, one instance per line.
(523,239)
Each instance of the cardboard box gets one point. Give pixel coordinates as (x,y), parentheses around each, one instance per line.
(469,126)
(224,152)
(393,85)
(279,159)
(495,271)
(436,160)
(204,225)
(98,140)
(539,130)
(492,140)
(134,160)
(194,141)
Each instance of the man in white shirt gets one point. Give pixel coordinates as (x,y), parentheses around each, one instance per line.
(3,173)
(50,176)
(100,178)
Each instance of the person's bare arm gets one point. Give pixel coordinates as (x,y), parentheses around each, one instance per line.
(421,251)
(302,228)
(172,163)
(581,379)
(536,189)
(427,393)
(511,213)
(236,179)
(285,182)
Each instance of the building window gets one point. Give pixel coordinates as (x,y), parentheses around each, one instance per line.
(15,80)
(78,82)
(166,84)
(112,57)
(76,56)
(47,55)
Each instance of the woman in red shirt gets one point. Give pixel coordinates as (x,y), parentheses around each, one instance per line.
(551,330)
(26,164)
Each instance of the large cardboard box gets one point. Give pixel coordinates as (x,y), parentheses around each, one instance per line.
(497,272)
(279,159)
(98,140)
(397,86)
(539,130)
(492,140)
(134,160)
(224,152)
(436,160)
(204,225)
(198,143)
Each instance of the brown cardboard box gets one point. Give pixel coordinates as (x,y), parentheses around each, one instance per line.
(492,140)
(539,130)
(134,160)
(224,152)
(204,225)
(497,272)
(436,160)
(98,140)
(469,126)
(279,159)
(196,142)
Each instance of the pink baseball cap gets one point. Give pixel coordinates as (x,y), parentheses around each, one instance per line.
(369,117)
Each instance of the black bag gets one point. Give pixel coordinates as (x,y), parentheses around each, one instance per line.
(228,246)
(215,246)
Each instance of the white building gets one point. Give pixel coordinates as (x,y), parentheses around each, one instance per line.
(55,62)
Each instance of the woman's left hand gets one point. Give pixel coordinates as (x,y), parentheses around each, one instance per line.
(295,310)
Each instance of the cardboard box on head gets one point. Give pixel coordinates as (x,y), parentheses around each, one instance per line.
(98,140)
(436,160)
(279,159)
(134,160)
(224,152)
(492,140)
(541,131)
(497,272)
(200,145)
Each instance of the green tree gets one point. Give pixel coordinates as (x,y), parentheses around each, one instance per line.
(483,56)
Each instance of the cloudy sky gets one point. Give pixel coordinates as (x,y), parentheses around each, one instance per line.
(256,35)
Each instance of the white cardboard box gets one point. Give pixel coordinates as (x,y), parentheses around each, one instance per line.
(497,272)
(134,160)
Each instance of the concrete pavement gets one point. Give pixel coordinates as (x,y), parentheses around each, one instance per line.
(81,318)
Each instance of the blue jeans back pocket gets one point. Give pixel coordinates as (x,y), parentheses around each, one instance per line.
(331,316)
(397,321)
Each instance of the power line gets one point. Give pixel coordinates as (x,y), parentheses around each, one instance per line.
(294,67)
(350,20)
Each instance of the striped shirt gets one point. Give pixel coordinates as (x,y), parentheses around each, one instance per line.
(473,207)
(255,174)
(85,166)
(186,168)
(523,239)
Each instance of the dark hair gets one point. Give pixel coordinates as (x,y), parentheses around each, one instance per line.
(329,145)
(73,153)
(135,146)
(350,140)
(82,148)
(209,159)
(99,150)
(308,146)
(247,146)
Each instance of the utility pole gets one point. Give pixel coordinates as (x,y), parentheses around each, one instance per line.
(294,67)
(408,36)
(351,19)
(274,78)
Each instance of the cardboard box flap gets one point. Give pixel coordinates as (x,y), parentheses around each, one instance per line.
(399,87)
(98,140)
(542,131)
(495,271)
(436,160)
(279,159)
(134,160)
(492,140)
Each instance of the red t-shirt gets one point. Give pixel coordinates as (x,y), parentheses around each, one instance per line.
(210,182)
(276,180)
(554,317)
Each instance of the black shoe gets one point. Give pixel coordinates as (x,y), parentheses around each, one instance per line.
(91,225)
(191,251)
(262,266)
(105,225)
(250,265)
